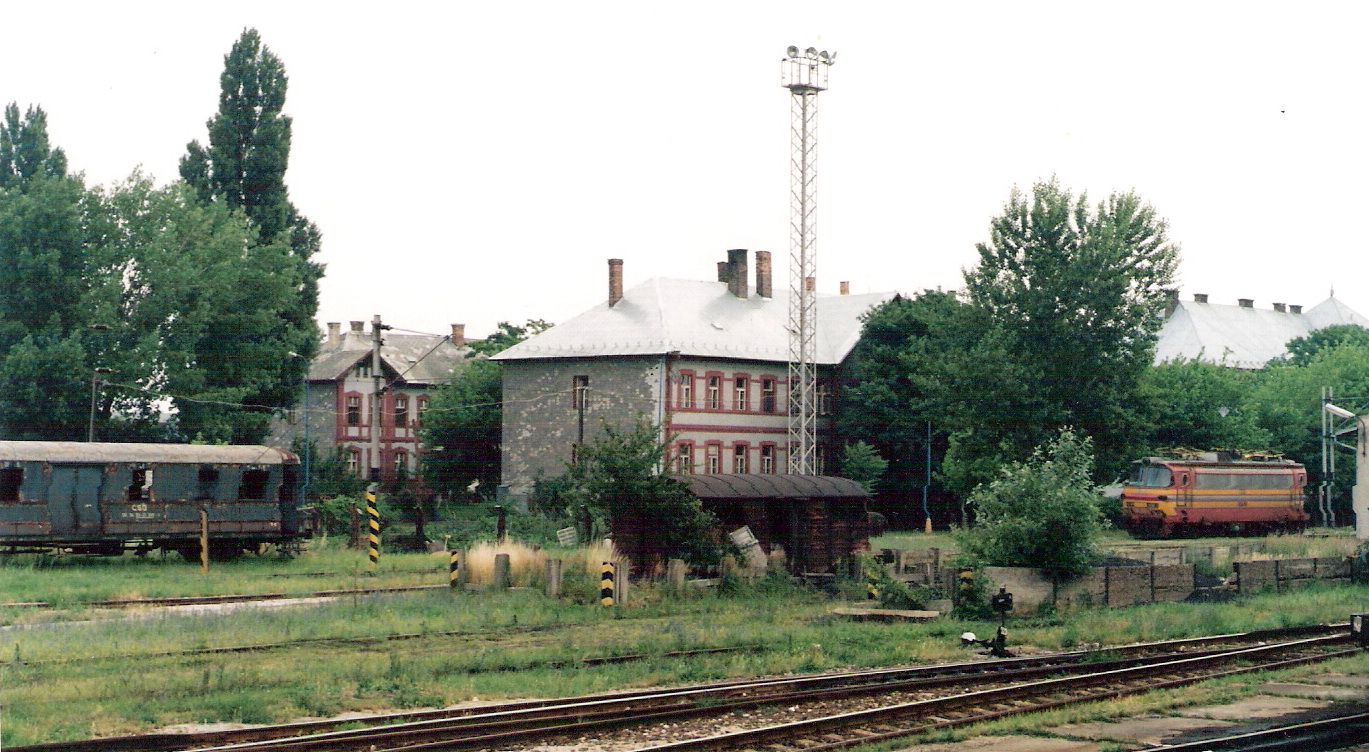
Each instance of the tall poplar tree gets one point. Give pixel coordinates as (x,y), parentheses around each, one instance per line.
(244,167)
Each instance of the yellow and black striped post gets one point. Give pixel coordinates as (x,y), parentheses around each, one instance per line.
(454,570)
(606,584)
(373,515)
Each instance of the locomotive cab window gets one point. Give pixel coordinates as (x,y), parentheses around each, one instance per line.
(253,484)
(11,478)
(140,487)
(1151,476)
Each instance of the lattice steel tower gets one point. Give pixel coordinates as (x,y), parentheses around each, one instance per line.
(804,74)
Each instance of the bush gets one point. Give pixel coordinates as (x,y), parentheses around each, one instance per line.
(1041,513)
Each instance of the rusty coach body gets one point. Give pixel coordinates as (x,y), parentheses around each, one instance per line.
(1214,492)
(107,498)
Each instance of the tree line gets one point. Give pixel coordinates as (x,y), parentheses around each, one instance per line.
(1055,328)
(138,312)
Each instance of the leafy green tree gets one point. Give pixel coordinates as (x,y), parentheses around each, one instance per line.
(1200,405)
(244,167)
(1302,350)
(1041,513)
(463,424)
(618,477)
(1080,288)
(25,153)
(862,464)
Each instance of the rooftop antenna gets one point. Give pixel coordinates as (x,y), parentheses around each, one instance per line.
(804,74)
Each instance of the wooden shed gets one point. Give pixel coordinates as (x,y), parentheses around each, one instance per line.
(817,520)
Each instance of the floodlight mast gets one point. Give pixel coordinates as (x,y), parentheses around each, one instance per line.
(804,74)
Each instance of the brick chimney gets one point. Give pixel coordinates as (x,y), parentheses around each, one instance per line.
(738,282)
(334,333)
(358,327)
(845,288)
(459,335)
(1294,308)
(1199,297)
(724,272)
(763,280)
(615,281)
(1246,302)
(1280,307)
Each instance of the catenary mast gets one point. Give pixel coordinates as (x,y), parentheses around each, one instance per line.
(804,74)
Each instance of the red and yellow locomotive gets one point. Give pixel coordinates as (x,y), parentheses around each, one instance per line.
(1214,492)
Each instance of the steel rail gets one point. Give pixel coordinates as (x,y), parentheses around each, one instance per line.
(1310,736)
(687,699)
(912,719)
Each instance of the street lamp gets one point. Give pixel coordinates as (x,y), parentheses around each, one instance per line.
(94,392)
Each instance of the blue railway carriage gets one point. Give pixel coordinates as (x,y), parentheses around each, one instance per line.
(106,498)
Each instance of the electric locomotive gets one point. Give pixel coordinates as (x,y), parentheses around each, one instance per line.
(1214,492)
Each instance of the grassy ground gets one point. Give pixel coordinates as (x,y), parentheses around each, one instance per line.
(96,675)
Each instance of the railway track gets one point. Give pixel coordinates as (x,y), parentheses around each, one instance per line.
(526,723)
(1321,735)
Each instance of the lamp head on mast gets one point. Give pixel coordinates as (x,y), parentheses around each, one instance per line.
(805,72)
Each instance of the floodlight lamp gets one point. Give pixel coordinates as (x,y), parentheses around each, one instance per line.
(824,55)
(811,52)
(792,51)
(1337,411)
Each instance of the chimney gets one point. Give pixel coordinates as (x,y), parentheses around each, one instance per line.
(724,272)
(334,333)
(763,288)
(810,284)
(1246,302)
(459,335)
(1171,302)
(738,281)
(1199,297)
(1294,308)
(845,288)
(615,281)
(1280,307)
(358,327)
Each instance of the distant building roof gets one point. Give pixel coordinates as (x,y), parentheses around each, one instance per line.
(1243,336)
(753,486)
(415,358)
(698,319)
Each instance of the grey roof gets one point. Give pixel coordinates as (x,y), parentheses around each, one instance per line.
(416,358)
(755,486)
(97,452)
(700,319)
(1243,337)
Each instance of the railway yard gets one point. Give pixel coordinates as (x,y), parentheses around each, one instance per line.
(401,662)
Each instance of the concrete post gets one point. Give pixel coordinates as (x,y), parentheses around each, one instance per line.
(675,574)
(554,567)
(500,580)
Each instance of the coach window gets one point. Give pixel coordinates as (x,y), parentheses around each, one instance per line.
(140,488)
(353,411)
(253,484)
(11,478)
(208,482)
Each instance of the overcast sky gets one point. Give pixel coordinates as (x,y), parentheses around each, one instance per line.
(474,162)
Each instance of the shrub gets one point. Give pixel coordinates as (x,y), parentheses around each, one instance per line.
(1041,513)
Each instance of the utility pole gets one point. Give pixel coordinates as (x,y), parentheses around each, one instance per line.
(376,387)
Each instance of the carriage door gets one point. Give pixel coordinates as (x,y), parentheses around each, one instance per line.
(73,498)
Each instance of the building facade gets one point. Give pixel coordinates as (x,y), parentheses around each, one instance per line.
(336,409)
(705,360)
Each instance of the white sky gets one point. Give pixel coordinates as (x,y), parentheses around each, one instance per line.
(478,161)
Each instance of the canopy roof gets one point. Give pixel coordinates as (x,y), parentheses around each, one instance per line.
(757,486)
(96,452)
